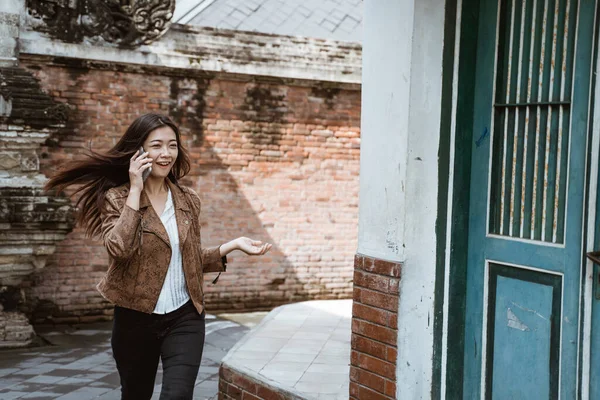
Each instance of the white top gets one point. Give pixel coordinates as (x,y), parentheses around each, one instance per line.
(174,292)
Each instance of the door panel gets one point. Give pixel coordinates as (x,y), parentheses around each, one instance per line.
(527,196)
(522,328)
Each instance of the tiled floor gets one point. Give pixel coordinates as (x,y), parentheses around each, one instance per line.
(79,364)
(303,348)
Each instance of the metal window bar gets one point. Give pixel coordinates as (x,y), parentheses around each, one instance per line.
(535,57)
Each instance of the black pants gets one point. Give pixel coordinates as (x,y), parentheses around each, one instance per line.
(140,339)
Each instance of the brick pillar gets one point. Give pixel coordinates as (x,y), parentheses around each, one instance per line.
(374,329)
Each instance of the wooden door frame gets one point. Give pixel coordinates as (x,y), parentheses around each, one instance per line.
(456,138)
(461,28)
(587,284)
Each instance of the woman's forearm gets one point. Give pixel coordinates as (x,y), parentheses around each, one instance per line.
(228,247)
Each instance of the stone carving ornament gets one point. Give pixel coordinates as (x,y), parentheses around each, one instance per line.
(126,23)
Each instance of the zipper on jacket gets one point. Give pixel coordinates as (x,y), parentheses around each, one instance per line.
(141,235)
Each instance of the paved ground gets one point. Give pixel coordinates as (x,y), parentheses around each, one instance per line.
(77,363)
(301,348)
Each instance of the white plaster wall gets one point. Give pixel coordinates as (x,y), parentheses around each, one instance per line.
(10,10)
(402,79)
(417,286)
(387,46)
(12,6)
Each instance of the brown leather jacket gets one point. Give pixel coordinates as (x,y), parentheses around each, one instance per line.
(139,249)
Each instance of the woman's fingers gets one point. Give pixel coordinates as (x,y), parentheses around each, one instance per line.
(137,165)
(143,155)
(264,248)
(143,162)
(146,161)
(256,247)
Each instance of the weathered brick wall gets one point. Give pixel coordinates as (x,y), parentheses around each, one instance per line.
(15,330)
(234,385)
(277,161)
(374,329)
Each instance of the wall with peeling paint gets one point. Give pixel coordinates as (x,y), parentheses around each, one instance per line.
(10,12)
(385,124)
(274,161)
(399,167)
(215,51)
(272,127)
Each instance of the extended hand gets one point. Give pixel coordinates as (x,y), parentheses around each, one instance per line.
(252,247)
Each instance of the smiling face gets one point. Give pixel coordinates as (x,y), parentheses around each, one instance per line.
(161,144)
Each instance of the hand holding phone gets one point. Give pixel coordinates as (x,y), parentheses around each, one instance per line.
(139,162)
(146,172)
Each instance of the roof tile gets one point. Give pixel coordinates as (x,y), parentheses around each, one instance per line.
(326,19)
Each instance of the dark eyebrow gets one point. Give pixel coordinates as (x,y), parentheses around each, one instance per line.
(160,141)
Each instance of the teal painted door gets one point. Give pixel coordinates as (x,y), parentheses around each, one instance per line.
(527,199)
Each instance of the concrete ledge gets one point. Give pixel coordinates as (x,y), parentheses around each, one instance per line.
(218,51)
(298,351)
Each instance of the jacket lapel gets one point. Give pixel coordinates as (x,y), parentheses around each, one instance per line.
(151,221)
(183,214)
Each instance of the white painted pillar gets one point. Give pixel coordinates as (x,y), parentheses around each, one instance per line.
(10,14)
(401,108)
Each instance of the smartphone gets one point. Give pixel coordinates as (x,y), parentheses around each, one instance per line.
(146,172)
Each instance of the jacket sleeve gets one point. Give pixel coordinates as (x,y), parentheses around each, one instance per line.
(211,256)
(212,260)
(120,228)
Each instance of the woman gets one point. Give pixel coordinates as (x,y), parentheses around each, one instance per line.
(151,231)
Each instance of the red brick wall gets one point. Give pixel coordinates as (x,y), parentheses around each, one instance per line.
(274,161)
(235,385)
(374,329)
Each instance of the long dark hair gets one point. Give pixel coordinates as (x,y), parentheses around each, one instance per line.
(100,172)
